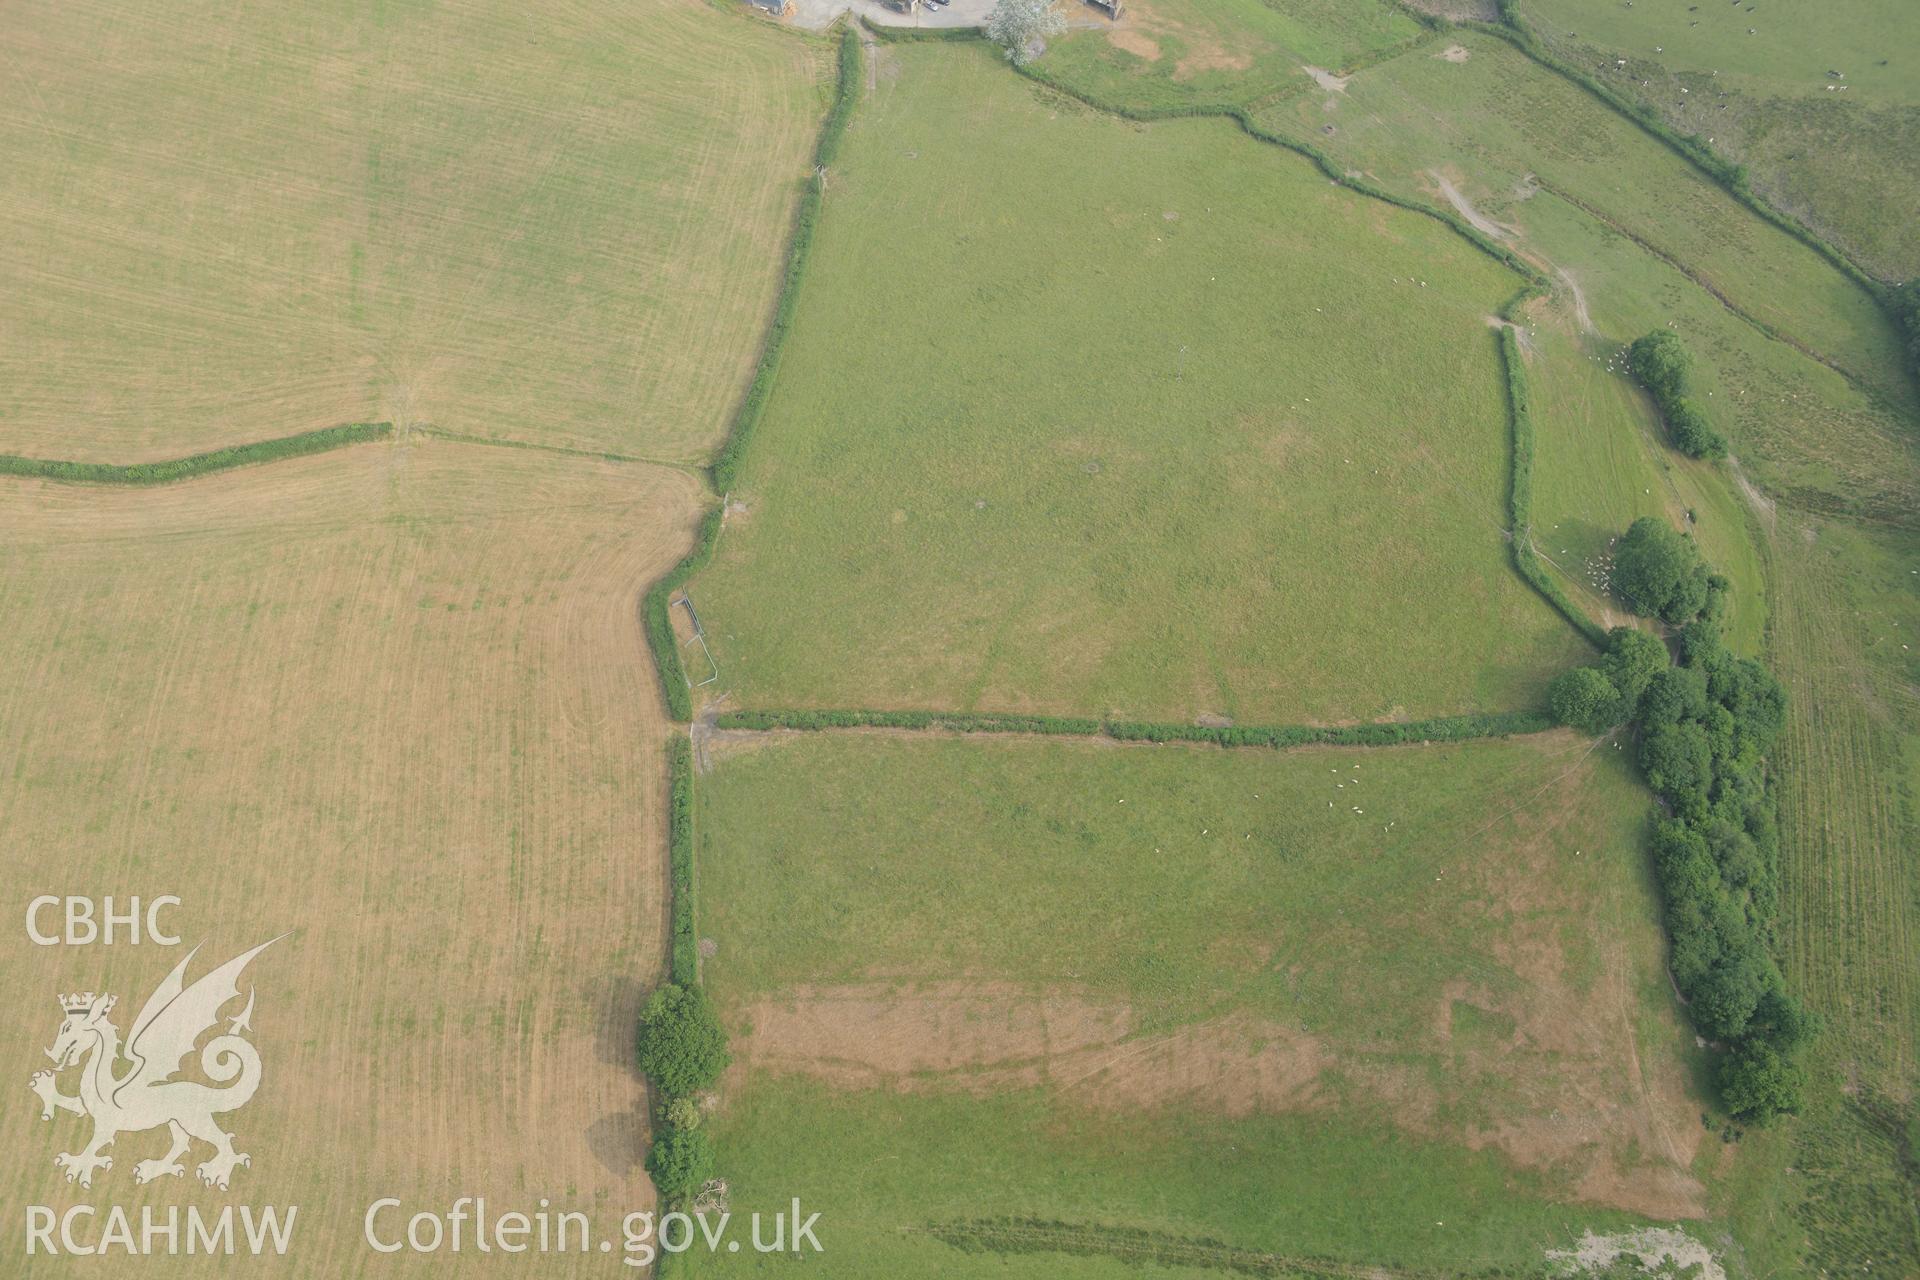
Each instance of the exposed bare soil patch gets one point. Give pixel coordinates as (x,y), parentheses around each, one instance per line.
(1137,43)
(1455,197)
(1140,31)
(1575,1095)
(1327,80)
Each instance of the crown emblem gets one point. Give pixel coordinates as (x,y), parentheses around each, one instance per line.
(80,1002)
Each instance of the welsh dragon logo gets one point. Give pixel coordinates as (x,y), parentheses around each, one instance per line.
(144,1095)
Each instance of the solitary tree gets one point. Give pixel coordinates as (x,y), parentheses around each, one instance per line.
(1018,25)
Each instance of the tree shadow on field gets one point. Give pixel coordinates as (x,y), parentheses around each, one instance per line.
(618,1139)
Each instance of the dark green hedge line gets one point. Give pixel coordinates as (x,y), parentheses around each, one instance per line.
(684,965)
(1526,561)
(1904,299)
(726,465)
(909,35)
(1705,728)
(1140,1247)
(199,464)
(1438,729)
(1499,724)
(655,608)
(682,1046)
(953,721)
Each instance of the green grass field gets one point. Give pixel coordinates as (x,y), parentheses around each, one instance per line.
(231,225)
(1449,1006)
(1601,462)
(1820,417)
(1838,596)
(1802,429)
(1499,119)
(1173,1197)
(1180,54)
(1085,417)
(1845,159)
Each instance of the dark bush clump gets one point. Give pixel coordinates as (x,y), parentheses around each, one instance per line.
(1659,573)
(683,1047)
(1660,363)
(1586,699)
(681,1162)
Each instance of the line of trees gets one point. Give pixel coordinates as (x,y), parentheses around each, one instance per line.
(1705,726)
(683,1050)
(1660,363)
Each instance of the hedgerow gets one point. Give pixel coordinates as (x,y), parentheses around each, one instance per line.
(911,35)
(655,609)
(1436,729)
(958,722)
(199,464)
(681,1046)
(1496,724)
(684,962)
(1526,561)
(1904,301)
(682,1049)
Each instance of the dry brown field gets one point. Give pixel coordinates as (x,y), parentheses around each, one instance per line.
(392,702)
(227,223)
